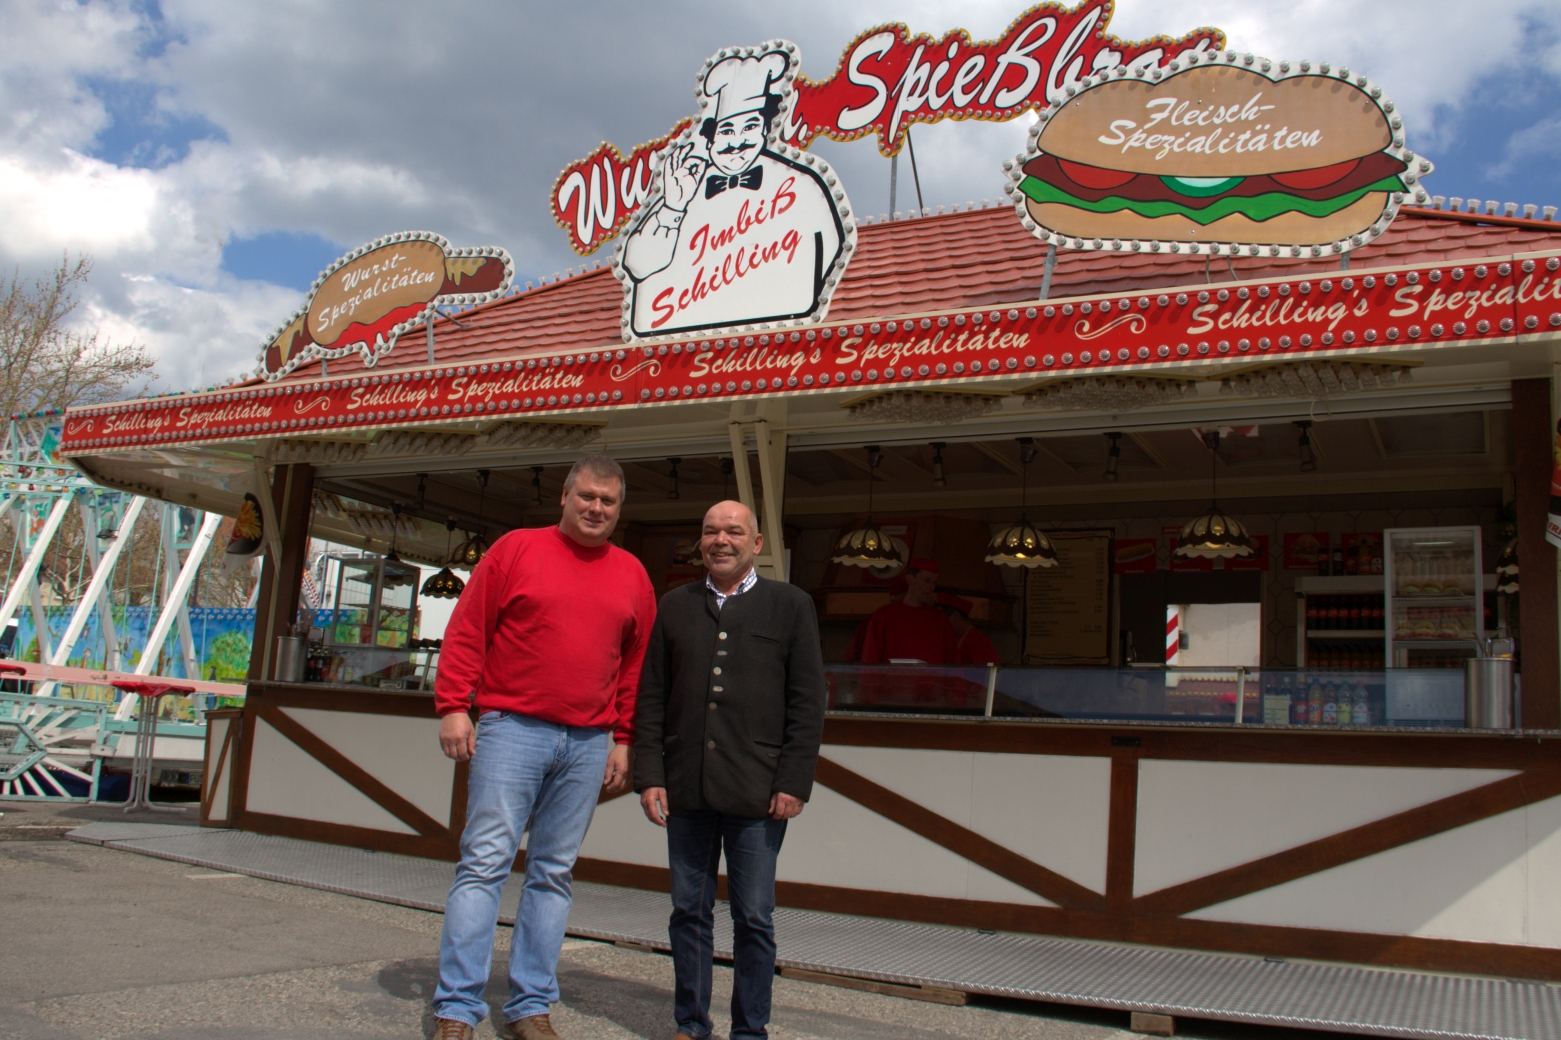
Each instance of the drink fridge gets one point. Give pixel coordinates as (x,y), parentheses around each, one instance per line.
(1434,595)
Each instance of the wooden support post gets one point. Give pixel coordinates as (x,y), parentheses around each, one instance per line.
(281,580)
(1533,434)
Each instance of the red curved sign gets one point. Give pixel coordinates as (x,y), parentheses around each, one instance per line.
(888,79)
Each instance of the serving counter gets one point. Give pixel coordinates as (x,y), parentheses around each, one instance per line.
(1434,849)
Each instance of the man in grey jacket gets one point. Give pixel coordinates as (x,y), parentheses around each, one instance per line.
(727,732)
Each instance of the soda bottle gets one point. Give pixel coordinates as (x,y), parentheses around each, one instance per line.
(1314,703)
(1344,709)
(1360,709)
(1330,705)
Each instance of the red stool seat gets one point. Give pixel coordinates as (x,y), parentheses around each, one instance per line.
(4,667)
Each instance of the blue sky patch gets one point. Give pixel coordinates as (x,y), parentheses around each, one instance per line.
(140,132)
(286,258)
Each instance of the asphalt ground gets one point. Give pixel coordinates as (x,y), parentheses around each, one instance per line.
(101,944)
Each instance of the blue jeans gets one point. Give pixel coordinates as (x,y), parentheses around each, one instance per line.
(524,770)
(694,844)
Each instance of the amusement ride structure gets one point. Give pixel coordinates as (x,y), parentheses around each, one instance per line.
(66,726)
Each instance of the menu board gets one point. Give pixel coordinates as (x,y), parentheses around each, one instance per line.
(1068,607)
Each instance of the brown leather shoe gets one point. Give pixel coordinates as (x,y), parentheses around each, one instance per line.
(535,1027)
(451,1029)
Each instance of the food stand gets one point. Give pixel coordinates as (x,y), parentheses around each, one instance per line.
(1118,796)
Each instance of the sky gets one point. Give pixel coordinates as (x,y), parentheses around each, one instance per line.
(212,158)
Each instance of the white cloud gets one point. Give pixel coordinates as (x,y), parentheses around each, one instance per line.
(80,204)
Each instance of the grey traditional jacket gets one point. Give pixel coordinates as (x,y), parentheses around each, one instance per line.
(731,705)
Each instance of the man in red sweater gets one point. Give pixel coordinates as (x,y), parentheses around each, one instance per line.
(914,628)
(546,643)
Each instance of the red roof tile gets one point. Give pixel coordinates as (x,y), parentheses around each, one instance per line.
(971,259)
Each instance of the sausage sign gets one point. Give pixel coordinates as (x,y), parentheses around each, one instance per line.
(364,302)
(886,81)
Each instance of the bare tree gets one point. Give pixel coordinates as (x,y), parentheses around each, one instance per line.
(46,364)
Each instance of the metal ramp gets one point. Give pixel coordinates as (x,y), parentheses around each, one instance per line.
(1127,978)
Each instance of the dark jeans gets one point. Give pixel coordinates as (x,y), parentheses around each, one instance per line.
(694,844)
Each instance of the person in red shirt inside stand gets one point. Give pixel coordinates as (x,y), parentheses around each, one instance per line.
(914,628)
(546,644)
(971,646)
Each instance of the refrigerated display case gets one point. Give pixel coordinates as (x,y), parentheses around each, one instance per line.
(1434,583)
(369,635)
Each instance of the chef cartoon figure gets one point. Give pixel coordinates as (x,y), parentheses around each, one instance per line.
(739,233)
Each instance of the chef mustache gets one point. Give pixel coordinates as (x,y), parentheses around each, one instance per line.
(734,149)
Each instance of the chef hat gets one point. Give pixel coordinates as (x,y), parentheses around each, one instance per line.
(743,84)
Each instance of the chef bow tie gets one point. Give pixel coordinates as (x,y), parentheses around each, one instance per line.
(750,178)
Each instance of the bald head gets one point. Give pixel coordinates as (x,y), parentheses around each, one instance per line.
(728,541)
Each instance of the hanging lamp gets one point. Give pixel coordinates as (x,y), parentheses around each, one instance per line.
(1304,447)
(446,584)
(470,552)
(395,529)
(1022,545)
(868,546)
(1214,533)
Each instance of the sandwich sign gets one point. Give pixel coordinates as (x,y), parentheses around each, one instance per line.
(1217,153)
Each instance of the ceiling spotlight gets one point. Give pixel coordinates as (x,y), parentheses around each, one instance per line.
(938,479)
(673,495)
(727,469)
(1308,456)
(1113,456)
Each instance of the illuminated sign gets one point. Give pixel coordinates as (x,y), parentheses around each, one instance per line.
(1218,153)
(741,229)
(366,300)
(887,80)
(1212,332)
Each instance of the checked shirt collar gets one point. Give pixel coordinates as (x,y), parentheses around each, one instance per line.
(748,582)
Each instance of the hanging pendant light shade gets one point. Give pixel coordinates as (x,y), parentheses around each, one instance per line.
(446,584)
(470,552)
(1214,533)
(1023,544)
(868,546)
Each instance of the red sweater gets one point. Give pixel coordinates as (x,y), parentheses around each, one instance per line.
(897,631)
(975,648)
(549,628)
